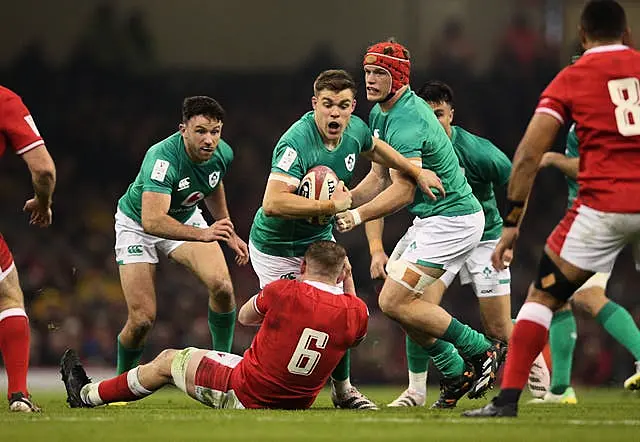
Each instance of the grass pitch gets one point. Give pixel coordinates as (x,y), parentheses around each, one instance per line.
(612,415)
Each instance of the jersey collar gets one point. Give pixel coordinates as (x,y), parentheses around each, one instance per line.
(606,48)
(325,287)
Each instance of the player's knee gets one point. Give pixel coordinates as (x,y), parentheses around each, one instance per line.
(550,280)
(499,330)
(163,362)
(388,305)
(140,322)
(221,292)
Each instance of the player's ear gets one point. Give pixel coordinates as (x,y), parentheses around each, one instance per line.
(314,102)
(627,39)
(353,105)
(451,115)
(343,275)
(182,127)
(303,266)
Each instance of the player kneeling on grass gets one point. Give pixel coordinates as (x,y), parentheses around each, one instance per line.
(306,327)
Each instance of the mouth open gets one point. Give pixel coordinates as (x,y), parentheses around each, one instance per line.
(207,149)
(373,90)
(334,128)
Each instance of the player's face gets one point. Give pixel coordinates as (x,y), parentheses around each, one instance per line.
(332,111)
(378,83)
(444,114)
(201,136)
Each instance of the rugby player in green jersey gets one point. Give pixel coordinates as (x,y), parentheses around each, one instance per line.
(330,136)
(159,213)
(444,232)
(590,297)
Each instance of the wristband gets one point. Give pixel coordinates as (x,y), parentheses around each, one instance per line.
(356,217)
(513,213)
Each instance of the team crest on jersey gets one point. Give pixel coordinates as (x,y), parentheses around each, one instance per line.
(350,161)
(376,133)
(213,179)
(192,199)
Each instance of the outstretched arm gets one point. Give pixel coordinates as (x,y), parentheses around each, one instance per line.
(280,200)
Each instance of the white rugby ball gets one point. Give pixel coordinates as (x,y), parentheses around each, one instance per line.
(319,184)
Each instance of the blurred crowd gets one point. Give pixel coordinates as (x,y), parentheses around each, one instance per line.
(100,112)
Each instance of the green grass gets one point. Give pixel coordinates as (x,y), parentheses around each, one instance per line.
(612,415)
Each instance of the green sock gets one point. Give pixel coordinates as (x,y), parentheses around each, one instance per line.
(468,341)
(343,369)
(221,326)
(417,356)
(128,357)
(617,321)
(562,338)
(446,358)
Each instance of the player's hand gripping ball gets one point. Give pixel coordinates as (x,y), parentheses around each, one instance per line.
(319,184)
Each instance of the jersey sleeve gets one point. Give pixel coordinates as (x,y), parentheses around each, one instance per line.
(555,99)
(18,126)
(363,133)
(495,164)
(287,160)
(158,172)
(363,321)
(404,137)
(268,295)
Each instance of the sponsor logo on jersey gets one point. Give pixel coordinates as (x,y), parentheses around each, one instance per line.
(135,250)
(376,133)
(192,199)
(350,161)
(160,168)
(287,159)
(184,184)
(486,292)
(214,177)
(290,275)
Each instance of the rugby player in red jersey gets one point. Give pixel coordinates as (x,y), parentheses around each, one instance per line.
(306,327)
(601,94)
(18,132)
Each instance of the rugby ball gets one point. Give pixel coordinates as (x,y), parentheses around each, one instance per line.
(319,184)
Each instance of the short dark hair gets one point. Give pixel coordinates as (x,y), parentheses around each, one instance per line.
(325,258)
(201,105)
(434,91)
(335,80)
(603,20)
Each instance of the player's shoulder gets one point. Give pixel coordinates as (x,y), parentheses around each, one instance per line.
(167,147)
(8,94)
(468,140)
(225,150)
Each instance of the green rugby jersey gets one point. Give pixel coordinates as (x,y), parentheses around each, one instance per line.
(167,169)
(485,166)
(571,151)
(298,150)
(412,129)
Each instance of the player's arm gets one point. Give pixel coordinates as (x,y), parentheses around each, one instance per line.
(382,153)
(398,195)
(568,166)
(375,182)
(216,203)
(157,222)
(280,200)
(374,230)
(43,178)
(249,313)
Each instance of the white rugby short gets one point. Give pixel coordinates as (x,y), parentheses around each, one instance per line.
(134,245)
(480,273)
(270,268)
(591,240)
(443,242)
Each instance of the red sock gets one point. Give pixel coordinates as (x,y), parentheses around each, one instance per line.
(124,387)
(526,342)
(14,346)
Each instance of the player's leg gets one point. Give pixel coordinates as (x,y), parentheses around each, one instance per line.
(207,262)
(560,279)
(138,286)
(137,257)
(134,384)
(420,266)
(14,333)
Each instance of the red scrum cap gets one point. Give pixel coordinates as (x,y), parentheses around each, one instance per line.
(392,57)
